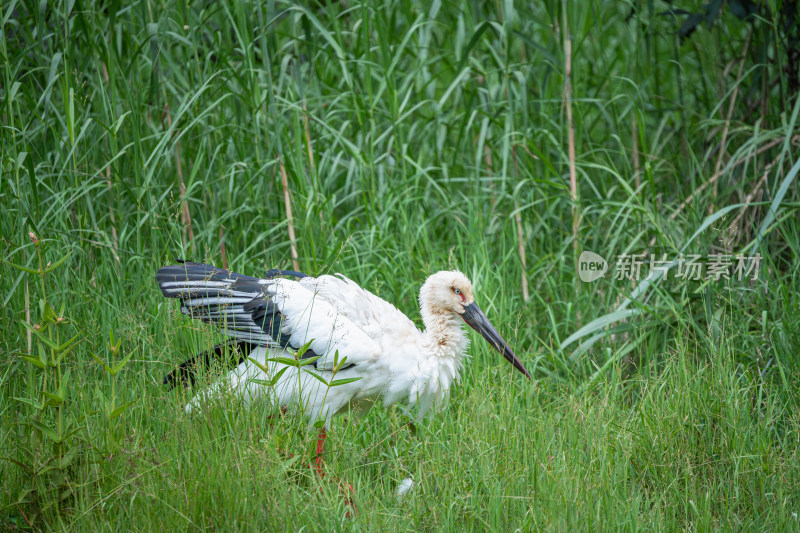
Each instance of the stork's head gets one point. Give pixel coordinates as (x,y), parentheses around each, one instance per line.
(449,292)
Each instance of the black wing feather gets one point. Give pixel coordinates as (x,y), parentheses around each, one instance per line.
(234,302)
(230,353)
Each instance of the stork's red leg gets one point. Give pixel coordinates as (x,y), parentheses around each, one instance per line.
(283,412)
(320,450)
(343,486)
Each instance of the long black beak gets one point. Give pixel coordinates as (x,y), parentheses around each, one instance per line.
(478,321)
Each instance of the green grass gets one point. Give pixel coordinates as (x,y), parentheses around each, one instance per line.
(415,138)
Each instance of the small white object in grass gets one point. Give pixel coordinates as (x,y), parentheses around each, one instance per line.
(404,487)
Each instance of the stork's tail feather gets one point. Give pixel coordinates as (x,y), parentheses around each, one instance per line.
(229,354)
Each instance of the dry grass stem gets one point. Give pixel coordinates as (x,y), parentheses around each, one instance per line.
(287,201)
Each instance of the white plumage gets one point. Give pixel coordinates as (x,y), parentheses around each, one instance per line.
(360,348)
(272,317)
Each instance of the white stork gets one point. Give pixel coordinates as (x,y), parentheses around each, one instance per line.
(387,358)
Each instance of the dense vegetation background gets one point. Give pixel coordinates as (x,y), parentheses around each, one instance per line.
(499,138)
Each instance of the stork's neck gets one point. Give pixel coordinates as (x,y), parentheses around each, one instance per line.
(443,336)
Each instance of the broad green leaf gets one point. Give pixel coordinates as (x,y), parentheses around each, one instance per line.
(340,364)
(263,368)
(24,492)
(33,181)
(599,323)
(24,467)
(292,460)
(345,381)
(57,263)
(69,456)
(114,371)
(118,123)
(35,361)
(303,349)
(33,403)
(46,431)
(73,431)
(309,360)
(774,208)
(12,93)
(62,355)
(42,354)
(121,409)
(48,312)
(288,361)
(23,268)
(98,393)
(31,327)
(274,379)
(45,339)
(316,376)
(105,366)
(50,403)
(55,398)
(71,342)
(485,25)
(64,388)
